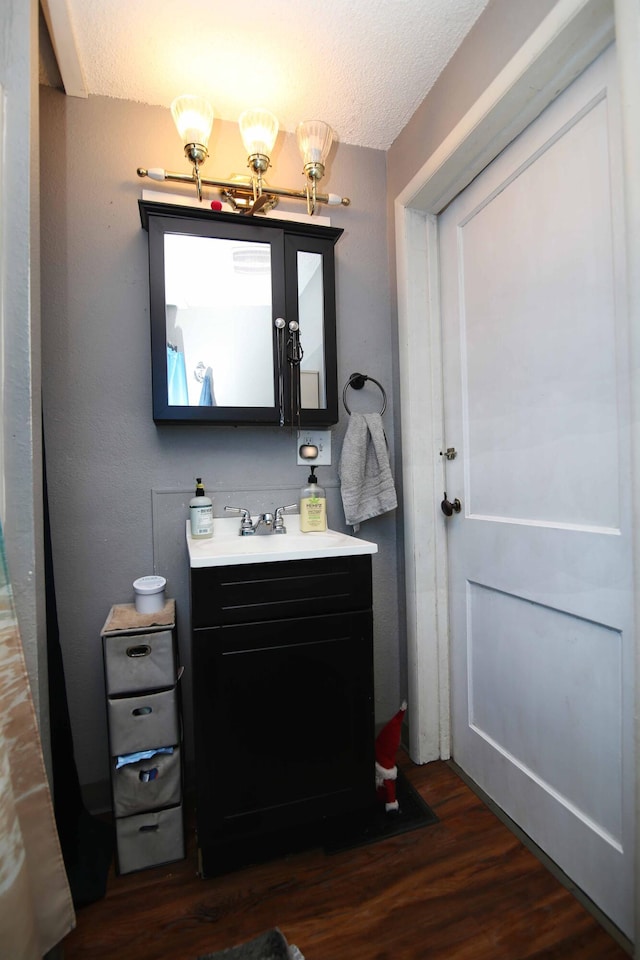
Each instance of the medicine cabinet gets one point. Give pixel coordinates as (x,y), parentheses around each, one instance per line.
(243,318)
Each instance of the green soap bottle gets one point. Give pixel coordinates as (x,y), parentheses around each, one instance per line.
(313,506)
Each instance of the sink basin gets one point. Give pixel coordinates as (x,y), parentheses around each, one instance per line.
(227,547)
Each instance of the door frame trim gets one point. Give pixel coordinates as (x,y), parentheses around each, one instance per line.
(572,35)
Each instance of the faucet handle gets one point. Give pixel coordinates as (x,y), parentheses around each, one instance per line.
(278,523)
(246,526)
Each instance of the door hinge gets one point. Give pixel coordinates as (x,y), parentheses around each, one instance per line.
(450,453)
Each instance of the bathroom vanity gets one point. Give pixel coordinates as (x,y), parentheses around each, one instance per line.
(282,666)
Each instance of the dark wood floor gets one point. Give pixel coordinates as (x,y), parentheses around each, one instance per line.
(462,889)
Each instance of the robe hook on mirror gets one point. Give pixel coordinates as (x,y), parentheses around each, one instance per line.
(295,353)
(193,117)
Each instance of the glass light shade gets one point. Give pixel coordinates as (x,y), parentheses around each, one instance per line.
(314,141)
(193,117)
(258,129)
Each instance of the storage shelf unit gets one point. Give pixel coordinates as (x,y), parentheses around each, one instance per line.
(143,714)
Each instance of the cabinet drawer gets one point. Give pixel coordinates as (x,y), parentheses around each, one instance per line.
(147,784)
(139,661)
(143,722)
(149,839)
(268,591)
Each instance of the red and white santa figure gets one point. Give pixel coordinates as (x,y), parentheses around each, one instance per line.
(387,744)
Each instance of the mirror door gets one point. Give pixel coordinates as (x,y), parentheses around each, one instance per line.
(219,305)
(311,303)
(213,303)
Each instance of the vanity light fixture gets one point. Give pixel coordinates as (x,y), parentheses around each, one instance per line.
(193,117)
(314,142)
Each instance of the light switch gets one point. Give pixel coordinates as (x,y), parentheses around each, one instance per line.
(309,439)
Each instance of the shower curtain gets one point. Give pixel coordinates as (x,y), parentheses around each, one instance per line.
(36,909)
(176,378)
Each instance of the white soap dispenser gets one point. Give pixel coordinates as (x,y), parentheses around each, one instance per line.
(313,506)
(201,513)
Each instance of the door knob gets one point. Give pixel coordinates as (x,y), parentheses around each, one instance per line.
(449,508)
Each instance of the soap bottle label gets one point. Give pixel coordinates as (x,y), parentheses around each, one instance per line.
(201,518)
(313,514)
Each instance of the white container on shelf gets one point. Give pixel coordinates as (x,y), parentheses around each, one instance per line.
(149,594)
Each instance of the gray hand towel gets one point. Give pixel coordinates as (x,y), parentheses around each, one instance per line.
(365,474)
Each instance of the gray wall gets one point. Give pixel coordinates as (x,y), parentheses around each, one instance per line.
(118,484)
(492,41)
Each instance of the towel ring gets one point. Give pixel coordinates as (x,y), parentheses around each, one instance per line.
(357,381)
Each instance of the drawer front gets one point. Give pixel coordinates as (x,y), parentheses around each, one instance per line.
(149,839)
(143,722)
(142,661)
(268,591)
(147,784)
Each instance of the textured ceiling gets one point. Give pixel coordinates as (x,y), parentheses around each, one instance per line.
(361,65)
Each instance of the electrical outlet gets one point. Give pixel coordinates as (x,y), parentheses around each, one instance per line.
(315,438)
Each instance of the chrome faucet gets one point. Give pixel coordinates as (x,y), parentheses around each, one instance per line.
(265,522)
(278,523)
(247,527)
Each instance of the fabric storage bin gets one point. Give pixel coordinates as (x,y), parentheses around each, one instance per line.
(147,784)
(149,839)
(144,661)
(144,721)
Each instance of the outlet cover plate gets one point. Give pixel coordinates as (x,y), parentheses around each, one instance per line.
(317,438)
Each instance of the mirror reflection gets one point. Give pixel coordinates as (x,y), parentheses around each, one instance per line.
(218,322)
(311,319)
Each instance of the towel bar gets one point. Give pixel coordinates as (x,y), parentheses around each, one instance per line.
(357,381)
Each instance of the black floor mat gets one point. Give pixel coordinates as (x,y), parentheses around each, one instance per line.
(359,829)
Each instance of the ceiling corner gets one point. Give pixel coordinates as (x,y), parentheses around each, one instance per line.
(60,26)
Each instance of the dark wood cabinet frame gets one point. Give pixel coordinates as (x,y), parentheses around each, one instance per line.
(286,238)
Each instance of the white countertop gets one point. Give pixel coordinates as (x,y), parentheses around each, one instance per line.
(227,547)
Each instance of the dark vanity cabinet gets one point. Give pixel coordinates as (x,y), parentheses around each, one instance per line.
(243,318)
(283,704)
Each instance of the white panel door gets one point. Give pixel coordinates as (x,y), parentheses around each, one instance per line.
(536,404)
